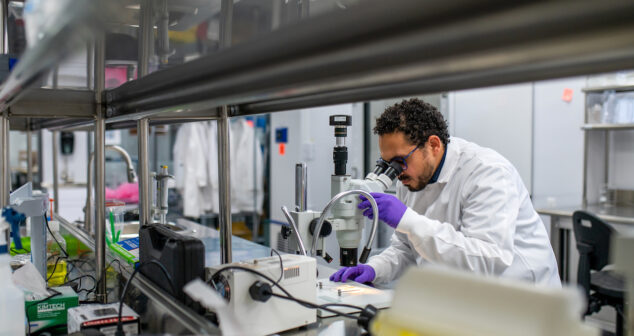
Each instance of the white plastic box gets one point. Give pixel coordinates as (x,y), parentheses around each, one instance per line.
(274,315)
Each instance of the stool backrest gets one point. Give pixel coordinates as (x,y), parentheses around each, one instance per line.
(593,235)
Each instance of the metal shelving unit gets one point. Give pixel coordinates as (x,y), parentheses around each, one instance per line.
(612,213)
(607,127)
(615,88)
(372,50)
(185,315)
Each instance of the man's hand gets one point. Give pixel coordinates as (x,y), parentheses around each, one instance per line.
(391,210)
(361,273)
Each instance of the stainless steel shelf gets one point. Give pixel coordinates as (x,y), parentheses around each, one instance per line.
(72,29)
(74,110)
(617,88)
(612,214)
(46,108)
(71,125)
(339,57)
(607,127)
(193,322)
(54,103)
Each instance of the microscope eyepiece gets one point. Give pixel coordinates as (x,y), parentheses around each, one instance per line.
(380,167)
(340,120)
(394,170)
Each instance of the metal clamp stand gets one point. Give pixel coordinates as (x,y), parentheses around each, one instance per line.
(34,207)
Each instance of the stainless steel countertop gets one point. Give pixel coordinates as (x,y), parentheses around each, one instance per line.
(611,214)
(242,250)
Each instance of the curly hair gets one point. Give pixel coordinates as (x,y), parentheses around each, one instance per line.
(416,119)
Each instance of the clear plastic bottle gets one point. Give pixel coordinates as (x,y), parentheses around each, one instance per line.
(12,319)
(56,267)
(52,246)
(609,106)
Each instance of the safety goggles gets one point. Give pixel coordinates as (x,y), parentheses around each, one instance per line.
(402,160)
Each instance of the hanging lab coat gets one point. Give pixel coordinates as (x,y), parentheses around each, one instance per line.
(196,168)
(477,217)
(246,168)
(190,168)
(212,166)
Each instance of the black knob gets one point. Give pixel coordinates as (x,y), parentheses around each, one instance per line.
(326,228)
(260,291)
(367,315)
(286,232)
(328,258)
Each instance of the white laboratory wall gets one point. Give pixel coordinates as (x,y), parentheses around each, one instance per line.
(72,72)
(72,197)
(73,165)
(558,143)
(500,118)
(17,142)
(311,139)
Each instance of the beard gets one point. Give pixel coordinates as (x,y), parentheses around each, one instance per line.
(421,181)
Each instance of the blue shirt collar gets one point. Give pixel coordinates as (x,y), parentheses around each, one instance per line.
(434,178)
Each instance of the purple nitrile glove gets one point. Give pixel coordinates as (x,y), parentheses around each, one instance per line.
(391,209)
(361,273)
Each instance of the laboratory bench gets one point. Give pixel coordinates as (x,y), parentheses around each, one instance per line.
(621,218)
(161,313)
(500,43)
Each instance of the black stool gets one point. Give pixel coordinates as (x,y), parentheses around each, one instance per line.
(601,287)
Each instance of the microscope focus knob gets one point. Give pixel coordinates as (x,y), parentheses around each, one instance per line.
(326,228)
(286,231)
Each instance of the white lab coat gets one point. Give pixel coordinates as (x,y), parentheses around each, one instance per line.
(246,168)
(196,168)
(190,168)
(477,217)
(212,166)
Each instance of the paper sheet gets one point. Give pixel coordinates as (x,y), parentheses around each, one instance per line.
(28,278)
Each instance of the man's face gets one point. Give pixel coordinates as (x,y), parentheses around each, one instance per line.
(420,163)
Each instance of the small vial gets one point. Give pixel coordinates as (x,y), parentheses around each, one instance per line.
(339,291)
(321,285)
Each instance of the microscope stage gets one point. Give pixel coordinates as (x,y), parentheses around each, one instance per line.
(352,293)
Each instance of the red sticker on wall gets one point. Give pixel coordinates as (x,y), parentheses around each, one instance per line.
(282,148)
(567,96)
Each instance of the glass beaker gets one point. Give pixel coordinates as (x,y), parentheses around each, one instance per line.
(114,220)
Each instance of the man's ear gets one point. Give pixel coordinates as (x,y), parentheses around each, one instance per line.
(435,144)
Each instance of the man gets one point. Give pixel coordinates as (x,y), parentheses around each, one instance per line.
(457,204)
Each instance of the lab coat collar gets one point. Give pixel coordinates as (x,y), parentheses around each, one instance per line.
(434,178)
(452,154)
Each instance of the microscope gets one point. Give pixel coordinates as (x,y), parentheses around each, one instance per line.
(346,220)
(160,192)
